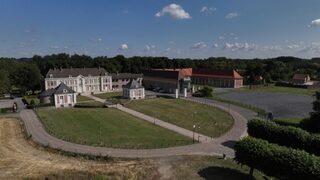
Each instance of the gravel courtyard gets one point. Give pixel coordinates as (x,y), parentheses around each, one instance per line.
(282,105)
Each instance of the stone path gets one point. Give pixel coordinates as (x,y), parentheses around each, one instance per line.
(216,146)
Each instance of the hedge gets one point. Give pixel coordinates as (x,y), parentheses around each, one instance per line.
(285,135)
(278,161)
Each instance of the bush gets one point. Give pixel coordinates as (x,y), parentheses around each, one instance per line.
(5,110)
(284,135)
(278,161)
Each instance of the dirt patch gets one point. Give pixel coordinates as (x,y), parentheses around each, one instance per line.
(20,159)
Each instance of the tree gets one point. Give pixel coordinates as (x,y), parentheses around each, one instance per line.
(4,82)
(26,76)
(312,124)
(206,91)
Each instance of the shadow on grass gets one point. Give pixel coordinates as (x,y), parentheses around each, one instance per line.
(213,172)
(229,144)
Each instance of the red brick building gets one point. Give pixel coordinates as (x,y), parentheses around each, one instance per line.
(217,78)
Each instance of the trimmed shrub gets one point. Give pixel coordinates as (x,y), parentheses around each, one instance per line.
(278,161)
(284,135)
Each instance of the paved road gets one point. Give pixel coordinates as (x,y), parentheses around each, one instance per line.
(217,146)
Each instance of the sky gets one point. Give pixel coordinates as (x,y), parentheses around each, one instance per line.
(176,29)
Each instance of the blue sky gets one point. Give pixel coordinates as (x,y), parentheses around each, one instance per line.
(186,28)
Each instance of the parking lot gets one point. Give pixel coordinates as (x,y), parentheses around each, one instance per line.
(282,105)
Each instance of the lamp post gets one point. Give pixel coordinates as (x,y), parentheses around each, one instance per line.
(199,133)
(194,125)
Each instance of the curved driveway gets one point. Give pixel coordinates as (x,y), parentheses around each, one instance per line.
(217,146)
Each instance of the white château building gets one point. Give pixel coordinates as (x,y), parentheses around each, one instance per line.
(80,80)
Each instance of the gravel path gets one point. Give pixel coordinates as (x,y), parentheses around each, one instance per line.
(216,146)
(282,105)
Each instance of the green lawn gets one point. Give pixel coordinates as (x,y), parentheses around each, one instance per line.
(83,98)
(211,167)
(115,97)
(213,122)
(109,95)
(289,121)
(118,129)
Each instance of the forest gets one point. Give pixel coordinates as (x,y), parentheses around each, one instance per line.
(27,74)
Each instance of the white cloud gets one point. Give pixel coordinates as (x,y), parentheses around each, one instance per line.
(220,37)
(313,47)
(232,15)
(171,42)
(315,23)
(293,46)
(54,47)
(272,48)
(240,46)
(175,11)
(215,45)
(123,47)
(199,45)
(28,43)
(97,40)
(149,47)
(207,10)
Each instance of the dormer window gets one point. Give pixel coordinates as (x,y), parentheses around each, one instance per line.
(50,76)
(70,76)
(65,91)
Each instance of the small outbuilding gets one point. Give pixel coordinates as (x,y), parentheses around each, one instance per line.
(61,96)
(301,79)
(133,90)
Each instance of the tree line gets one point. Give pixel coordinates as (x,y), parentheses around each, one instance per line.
(28,73)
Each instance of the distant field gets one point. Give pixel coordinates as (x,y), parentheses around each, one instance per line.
(213,122)
(117,129)
(279,89)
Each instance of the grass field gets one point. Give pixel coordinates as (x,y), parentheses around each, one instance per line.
(117,129)
(115,97)
(289,121)
(211,167)
(83,98)
(109,95)
(213,122)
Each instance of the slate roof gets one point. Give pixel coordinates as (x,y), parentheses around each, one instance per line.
(61,89)
(160,73)
(125,75)
(231,73)
(300,76)
(74,72)
(133,84)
